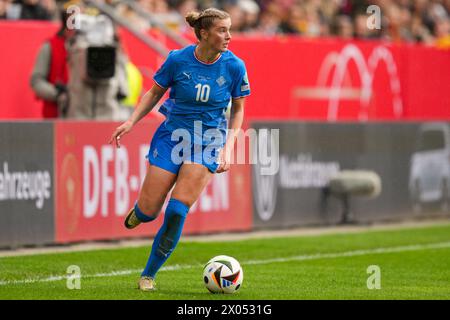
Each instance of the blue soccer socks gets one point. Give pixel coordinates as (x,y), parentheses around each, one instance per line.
(167,237)
(141,216)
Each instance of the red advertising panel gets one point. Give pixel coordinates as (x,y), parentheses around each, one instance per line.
(291,77)
(96,185)
(19,44)
(332,79)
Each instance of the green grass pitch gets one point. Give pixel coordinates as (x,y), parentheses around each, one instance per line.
(414,263)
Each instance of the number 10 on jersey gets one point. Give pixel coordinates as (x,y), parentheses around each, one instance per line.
(202,92)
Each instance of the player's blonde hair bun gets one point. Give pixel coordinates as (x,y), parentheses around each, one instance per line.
(192,18)
(204,19)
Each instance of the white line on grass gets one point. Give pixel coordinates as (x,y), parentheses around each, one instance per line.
(416,247)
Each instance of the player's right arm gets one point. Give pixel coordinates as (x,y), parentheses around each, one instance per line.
(147,103)
(163,79)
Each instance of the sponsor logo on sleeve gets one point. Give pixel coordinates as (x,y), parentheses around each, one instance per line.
(245,85)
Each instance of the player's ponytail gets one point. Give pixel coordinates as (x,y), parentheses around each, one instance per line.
(204,19)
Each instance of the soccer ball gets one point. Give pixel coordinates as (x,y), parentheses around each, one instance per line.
(223,274)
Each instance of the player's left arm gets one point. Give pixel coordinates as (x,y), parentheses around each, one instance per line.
(236,119)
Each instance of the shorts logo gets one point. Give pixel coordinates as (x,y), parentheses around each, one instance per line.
(155,153)
(221,81)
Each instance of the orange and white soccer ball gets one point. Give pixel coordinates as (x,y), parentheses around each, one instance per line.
(223,274)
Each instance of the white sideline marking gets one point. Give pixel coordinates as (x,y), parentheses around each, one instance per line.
(416,247)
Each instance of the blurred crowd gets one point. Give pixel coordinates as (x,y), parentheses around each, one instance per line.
(425,21)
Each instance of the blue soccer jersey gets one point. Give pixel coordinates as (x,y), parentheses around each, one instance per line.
(200,91)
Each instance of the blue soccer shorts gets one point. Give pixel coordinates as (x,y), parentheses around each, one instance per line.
(168,155)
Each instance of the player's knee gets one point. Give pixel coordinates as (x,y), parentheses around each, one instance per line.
(184,198)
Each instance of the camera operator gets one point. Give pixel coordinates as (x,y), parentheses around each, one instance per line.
(49,77)
(97,68)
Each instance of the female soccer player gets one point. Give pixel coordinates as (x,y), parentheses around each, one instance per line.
(192,143)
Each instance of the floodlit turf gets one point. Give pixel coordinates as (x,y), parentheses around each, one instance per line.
(414,264)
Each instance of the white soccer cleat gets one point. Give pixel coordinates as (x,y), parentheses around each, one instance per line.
(146,284)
